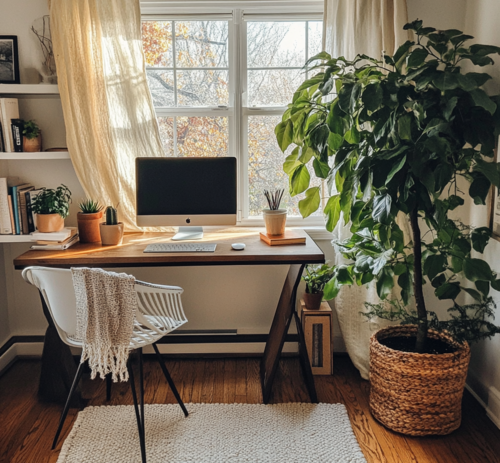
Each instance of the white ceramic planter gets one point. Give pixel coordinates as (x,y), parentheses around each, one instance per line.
(275,221)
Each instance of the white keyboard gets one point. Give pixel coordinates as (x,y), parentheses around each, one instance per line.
(181,247)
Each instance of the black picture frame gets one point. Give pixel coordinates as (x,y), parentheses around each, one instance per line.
(9,60)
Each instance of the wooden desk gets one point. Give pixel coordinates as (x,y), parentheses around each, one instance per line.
(54,383)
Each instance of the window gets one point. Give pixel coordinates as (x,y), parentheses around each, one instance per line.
(220,88)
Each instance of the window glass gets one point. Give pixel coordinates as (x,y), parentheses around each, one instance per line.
(265,169)
(202,136)
(273,87)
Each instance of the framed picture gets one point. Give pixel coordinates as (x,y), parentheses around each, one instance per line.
(495,207)
(9,60)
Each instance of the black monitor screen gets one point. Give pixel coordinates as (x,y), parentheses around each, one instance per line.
(180,186)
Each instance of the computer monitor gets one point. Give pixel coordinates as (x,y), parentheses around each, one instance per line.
(186,192)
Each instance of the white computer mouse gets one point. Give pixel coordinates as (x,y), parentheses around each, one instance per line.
(238,246)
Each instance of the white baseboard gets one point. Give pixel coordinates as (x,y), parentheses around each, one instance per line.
(493,408)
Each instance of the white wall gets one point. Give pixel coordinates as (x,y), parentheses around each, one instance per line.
(482,18)
(441,14)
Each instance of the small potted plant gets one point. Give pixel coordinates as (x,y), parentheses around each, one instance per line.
(32,137)
(111,230)
(88,221)
(316,277)
(274,217)
(51,207)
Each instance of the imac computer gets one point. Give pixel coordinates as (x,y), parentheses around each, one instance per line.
(186,192)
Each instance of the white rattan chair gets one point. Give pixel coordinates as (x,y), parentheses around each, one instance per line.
(160,312)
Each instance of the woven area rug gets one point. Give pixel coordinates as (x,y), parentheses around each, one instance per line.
(284,433)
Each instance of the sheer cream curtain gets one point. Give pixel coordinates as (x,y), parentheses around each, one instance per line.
(369,27)
(108,111)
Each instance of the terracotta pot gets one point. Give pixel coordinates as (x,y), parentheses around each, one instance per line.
(111,235)
(48,223)
(275,221)
(417,394)
(88,227)
(32,145)
(313,301)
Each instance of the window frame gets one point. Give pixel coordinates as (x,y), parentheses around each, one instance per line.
(237,110)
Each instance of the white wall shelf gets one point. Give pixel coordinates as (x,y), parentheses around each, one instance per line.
(15,239)
(28,89)
(45,155)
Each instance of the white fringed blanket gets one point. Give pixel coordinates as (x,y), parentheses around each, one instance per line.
(106,304)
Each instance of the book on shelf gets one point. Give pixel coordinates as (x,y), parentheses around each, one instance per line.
(17,134)
(53,236)
(289,237)
(5,223)
(57,246)
(73,232)
(23,208)
(11,213)
(9,109)
(2,145)
(16,207)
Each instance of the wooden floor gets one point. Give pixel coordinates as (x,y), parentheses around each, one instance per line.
(28,426)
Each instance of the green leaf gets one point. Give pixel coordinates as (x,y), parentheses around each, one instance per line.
(291,162)
(372,96)
(310,82)
(284,134)
(321,169)
(331,289)
(473,293)
(445,81)
(305,155)
(479,190)
(335,141)
(482,99)
(395,169)
(382,208)
(344,277)
(457,264)
(483,287)
(332,212)
(477,270)
(417,57)
(400,268)
(448,291)
(299,181)
(352,136)
(310,203)
(496,285)
(385,283)
(404,127)
(480,237)
(433,265)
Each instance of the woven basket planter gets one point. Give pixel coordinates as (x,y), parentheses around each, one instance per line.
(417,394)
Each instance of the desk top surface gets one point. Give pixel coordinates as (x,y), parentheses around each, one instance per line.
(131,252)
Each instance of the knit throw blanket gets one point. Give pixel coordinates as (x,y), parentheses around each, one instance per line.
(106,304)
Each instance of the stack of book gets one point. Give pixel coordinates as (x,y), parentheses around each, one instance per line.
(9,109)
(16,215)
(55,241)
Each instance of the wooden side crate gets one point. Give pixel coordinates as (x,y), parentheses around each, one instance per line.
(318,333)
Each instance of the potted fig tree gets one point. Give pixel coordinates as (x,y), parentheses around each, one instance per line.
(411,137)
(88,219)
(51,207)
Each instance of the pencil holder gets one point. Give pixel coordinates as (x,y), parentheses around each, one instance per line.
(275,221)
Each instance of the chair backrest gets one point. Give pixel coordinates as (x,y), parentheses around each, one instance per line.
(56,287)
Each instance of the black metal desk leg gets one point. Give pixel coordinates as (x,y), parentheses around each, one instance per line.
(58,366)
(279,329)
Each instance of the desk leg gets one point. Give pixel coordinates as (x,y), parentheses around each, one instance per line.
(279,329)
(58,366)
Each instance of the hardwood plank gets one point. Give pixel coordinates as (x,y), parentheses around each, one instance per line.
(28,426)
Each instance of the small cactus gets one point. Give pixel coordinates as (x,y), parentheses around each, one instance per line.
(111,216)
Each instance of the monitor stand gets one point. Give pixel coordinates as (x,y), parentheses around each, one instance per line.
(189,233)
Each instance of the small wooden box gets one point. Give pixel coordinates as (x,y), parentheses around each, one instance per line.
(318,333)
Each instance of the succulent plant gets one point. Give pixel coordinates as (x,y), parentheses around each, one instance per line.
(89,206)
(111,215)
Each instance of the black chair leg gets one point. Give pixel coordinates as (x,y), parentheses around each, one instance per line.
(64,413)
(109,382)
(169,379)
(140,419)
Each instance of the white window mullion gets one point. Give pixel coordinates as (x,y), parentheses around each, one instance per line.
(244,187)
